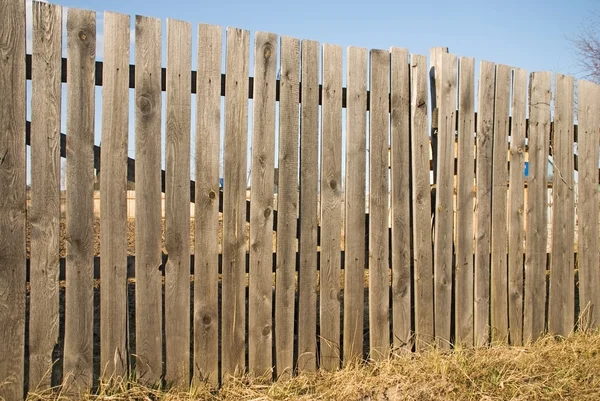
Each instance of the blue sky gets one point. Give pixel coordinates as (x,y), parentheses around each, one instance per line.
(532,35)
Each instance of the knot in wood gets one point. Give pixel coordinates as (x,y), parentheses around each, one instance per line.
(267,51)
(82,36)
(333,184)
(267,212)
(212,195)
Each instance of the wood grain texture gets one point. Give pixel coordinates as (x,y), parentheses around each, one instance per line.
(423,252)
(499,272)
(540,95)
(435,60)
(354,231)
(309,154)
(287,206)
(483,204)
(587,208)
(260,336)
(379,268)
(177,198)
(463,311)
(44,211)
(206,269)
(233,318)
(148,275)
(331,207)
(516,207)
(400,197)
(561,318)
(444,202)
(13,209)
(113,198)
(79,319)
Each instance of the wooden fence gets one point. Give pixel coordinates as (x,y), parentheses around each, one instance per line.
(474,271)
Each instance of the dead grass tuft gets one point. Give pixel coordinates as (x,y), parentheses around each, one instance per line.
(550,369)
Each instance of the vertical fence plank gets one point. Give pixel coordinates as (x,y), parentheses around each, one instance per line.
(400,196)
(287,205)
(260,336)
(444,201)
(379,273)
(464,203)
(562,277)
(148,290)
(309,156)
(589,278)
(485,126)
(13,203)
(234,204)
(499,273)
(423,253)
(81,53)
(537,205)
(113,197)
(44,212)
(177,198)
(331,207)
(206,252)
(516,208)
(435,59)
(354,231)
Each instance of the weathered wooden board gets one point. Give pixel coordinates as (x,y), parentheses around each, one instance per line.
(516,207)
(379,267)
(287,205)
(148,289)
(485,129)
(561,318)
(260,326)
(331,207)
(540,95)
(421,213)
(44,211)
(309,159)
(499,272)
(233,318)
(79,321)
(400,197)
(13,209)
(463,310)
(206,251)
(114,358)
(443,242)
(588,118)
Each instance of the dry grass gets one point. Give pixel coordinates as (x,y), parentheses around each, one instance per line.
(551,369)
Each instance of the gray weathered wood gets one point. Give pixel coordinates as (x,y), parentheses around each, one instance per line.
(234,204)
(464,203)
(499,273)
(423,253)
(400,197)
(309,148)
(354,230)
(113,198)
(485,127)
(444,201)
(177,203)
(435,60)
(561,306)
(331,207)
(516,207)
(206,251)
(79,316)
(588,117)
(540,95)
(379,268)
(13,209)
(148,289)
(44,211)
(260,336)
(287,205)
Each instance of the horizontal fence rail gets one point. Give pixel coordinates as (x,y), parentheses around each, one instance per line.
(340,246)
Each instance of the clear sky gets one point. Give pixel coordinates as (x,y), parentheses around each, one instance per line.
(529,34)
